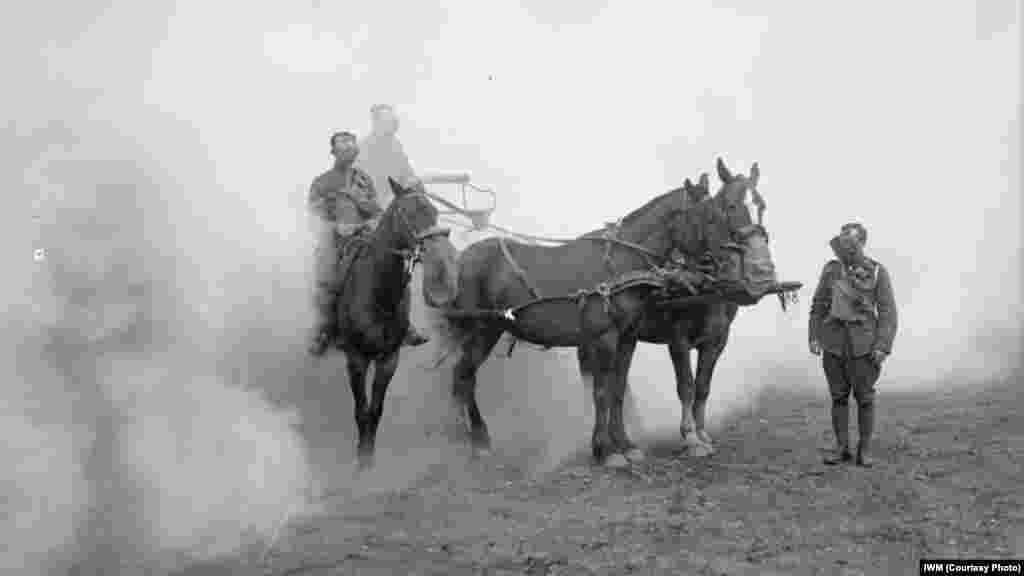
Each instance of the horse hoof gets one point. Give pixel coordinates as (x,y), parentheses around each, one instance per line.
(699,450)
(635,455)
(365,462)
(616,461)
(704,437)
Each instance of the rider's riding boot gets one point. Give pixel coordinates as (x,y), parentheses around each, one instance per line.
(414,337)
(865,426)
(841,428)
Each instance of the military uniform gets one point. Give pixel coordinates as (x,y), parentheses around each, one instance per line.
(344,201)
(853,315)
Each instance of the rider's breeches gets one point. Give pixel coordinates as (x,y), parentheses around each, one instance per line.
(846,375)
(326,269)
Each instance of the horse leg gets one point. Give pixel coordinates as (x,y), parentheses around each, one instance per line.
(600,440)
(679,350)
(618,425)
(602,356)
(707,358)
(384,371)
(474,353)
(357,367)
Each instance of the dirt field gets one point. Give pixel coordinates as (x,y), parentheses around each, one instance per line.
(948,483)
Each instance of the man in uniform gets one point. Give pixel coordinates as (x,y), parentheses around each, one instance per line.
(344,200)
(382,155)
(853,323)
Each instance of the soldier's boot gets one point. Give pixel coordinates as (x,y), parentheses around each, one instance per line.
(841,428)
(413,337)
(865,426)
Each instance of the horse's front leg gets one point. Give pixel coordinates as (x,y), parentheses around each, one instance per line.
(707,357)
(623,361)
(679,350)
(600,358)
(357,367)
(384,371)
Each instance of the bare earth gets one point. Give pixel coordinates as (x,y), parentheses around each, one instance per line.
(948,482)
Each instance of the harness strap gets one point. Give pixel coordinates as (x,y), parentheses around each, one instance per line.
(534,293)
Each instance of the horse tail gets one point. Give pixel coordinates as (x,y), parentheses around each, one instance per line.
(450,333)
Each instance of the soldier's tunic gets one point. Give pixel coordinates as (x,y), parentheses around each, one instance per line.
(853,313)
(341,200)
(382,156)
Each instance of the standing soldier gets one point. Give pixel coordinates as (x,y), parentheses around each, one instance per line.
(382,155)
(345,202)
(852,326)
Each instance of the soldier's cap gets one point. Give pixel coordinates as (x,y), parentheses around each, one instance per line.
(859,228)
(341,134)
(381,107)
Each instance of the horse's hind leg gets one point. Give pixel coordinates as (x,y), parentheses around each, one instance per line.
(475,351)
(357,366)
(383,373)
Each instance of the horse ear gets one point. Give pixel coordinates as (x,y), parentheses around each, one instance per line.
(687,184)
(396,188)
(723,173)
(755,174)
(704,180)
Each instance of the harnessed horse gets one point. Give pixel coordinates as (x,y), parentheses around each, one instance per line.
(546,295)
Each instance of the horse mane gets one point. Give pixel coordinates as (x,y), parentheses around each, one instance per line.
(650,204)
(628,218)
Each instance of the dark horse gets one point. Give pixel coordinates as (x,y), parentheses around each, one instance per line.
(705,326)
(372,311)
(540,281)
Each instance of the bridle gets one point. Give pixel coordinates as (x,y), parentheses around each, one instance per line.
(413,256)
(739,237)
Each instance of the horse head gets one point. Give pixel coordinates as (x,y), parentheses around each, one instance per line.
(413,221)
(743,207)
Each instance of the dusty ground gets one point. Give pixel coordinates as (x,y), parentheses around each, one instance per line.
(949,483)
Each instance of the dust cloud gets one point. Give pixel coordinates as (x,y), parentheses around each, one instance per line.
(159,408)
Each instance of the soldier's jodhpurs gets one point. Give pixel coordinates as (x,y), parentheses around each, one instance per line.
(326,276)
(856,375)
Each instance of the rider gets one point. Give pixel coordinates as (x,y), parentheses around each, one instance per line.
(382,155)
(853,323)
(345,202)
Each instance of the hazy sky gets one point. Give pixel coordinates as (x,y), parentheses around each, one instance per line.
(904,115)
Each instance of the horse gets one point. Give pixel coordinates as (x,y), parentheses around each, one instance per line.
(371,310)
(705,325)
(539,283)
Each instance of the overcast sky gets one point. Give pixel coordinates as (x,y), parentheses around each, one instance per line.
(903,115)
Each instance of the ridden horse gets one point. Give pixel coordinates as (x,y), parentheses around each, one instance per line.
(499,274)
(371,311)
(705,326)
